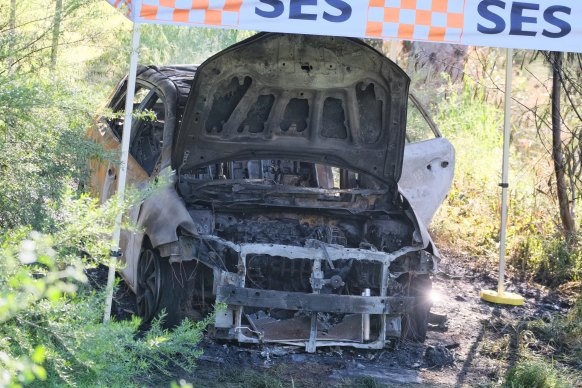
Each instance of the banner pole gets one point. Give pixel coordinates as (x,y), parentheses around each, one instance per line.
(505,171)
(126,136)
(501,296)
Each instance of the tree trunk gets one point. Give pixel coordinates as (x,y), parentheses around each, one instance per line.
(557,152)
(56,32)
(12,35)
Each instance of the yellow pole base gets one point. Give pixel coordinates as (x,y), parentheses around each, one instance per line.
(504,298)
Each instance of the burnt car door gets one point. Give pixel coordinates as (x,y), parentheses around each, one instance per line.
(149,129)
(108,132)
(428,165)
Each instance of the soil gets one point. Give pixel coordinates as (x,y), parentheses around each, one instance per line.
(470,343)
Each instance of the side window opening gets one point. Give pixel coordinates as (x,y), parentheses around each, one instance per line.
(417,126)
(147,126)
(147,133)
(118,107)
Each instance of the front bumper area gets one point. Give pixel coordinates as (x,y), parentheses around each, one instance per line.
(322,317)
(308,329)
(313,303)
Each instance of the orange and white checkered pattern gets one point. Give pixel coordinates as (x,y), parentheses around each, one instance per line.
(431,20)
(209,12)
(124,6)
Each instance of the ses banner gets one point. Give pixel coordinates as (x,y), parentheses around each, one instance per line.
(530,24)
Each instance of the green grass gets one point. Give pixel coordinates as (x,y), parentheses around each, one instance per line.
(535,374)
(249,379)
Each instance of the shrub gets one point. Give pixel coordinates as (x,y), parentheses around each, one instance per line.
(50,321)
(534,374)
(551,260)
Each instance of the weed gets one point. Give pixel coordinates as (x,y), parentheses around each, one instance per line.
(549,260)
(563,334)
(497,348)
(534,374)
(249,379)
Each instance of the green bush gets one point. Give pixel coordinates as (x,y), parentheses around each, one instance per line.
(467,114)
(534,374)
(560,262)
(469,219)
(42,148)
(79,350)
(50,320)
(551,260)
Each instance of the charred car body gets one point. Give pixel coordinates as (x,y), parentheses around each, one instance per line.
(285,204)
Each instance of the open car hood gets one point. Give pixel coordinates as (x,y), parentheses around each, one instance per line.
(329,100)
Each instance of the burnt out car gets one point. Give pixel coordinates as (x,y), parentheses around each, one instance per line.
(287,151)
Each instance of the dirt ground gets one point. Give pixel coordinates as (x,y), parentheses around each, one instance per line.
(472,343)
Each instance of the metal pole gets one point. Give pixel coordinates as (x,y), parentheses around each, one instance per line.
(126,136)
(505,170)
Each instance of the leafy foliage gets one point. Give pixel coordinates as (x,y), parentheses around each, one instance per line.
(471,117)
(50,319)
(165,45)
(42,144)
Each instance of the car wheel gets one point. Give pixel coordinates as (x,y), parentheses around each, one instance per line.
(415,323)
(148,284)
(162,286)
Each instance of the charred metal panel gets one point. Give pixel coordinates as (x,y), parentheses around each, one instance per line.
(334,119)
(371,108)
(162,214)
(321,99)
(258,114)
(345,304)
(225,101)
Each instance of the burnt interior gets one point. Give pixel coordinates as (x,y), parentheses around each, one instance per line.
(282,274)
(146,144)
(294,203)
(303,204)
(290,202)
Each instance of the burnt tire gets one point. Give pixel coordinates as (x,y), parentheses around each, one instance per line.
(162,286)
(415,323)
